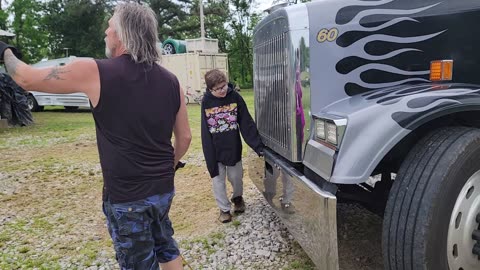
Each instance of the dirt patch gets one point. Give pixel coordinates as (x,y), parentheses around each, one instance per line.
(51,204)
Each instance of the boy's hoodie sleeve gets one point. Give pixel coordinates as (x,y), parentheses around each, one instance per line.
(208,146)
(248,128)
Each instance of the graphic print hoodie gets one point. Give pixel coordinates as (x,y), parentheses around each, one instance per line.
(222,121)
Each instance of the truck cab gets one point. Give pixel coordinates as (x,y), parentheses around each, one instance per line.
(346,90)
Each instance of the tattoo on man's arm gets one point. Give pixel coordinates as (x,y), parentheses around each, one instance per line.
(11,62)
(55,74)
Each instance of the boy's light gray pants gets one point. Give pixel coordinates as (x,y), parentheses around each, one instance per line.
(235,176)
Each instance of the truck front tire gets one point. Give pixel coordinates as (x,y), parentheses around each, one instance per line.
(420,220)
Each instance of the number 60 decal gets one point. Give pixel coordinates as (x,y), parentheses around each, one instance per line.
(327,35)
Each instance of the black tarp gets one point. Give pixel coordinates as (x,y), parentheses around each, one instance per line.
(13,102)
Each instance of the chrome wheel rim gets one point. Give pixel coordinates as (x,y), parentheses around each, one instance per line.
(30,103)
(463,223)
(168,49)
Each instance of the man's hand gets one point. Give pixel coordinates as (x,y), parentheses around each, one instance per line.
(180,165)
(4,46)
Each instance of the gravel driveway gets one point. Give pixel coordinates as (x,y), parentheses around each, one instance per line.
(260,241)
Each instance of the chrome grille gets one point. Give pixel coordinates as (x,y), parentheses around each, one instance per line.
(272,84)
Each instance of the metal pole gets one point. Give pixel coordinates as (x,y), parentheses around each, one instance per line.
(202,26)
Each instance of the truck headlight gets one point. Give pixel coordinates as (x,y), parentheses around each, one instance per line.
(329,129)
(320,129)
(332,133)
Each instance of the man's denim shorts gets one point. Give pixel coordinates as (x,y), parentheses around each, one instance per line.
(142,232)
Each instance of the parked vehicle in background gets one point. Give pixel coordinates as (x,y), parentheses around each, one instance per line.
(346,90)
(173,46)
(38,100)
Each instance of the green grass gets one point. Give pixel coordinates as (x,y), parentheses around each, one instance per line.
(56,126)
(50,127)
(236,223)
(42,262)
(248,96)
(20,257)
(208,242)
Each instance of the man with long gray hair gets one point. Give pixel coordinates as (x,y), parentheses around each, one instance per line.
(136,105)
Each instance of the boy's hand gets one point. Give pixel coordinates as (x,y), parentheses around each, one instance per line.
(260,150)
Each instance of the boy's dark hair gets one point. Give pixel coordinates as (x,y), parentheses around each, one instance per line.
(214,77)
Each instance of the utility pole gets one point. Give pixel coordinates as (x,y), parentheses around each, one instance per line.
(202,26)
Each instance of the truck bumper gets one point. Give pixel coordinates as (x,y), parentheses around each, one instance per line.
(309,212)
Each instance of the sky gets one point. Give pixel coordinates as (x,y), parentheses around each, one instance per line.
(261,5)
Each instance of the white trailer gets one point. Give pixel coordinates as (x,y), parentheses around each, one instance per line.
(190,68)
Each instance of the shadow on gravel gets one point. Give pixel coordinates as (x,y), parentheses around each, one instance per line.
(359,238)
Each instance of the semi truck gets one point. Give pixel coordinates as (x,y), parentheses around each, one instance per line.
(350,89)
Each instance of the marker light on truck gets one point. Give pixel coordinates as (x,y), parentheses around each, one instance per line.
(441,70)
(332,133)
(329,129)
(320,129)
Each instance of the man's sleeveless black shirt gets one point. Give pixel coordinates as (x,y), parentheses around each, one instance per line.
(134,122)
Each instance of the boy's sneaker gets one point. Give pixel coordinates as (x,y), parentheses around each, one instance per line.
(225,217)
(239,204)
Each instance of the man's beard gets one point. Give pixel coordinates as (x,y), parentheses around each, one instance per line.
(108,52)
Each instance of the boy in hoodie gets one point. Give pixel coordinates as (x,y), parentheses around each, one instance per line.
(224,116)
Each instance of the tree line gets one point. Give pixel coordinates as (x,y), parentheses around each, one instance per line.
(50,29)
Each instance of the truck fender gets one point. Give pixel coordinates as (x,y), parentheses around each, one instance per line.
(378,120)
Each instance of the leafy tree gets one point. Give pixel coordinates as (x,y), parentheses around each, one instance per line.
(305,55)
(170,15)
(216,18)
(240,46)
(3,19)
(78,25)
(26,25)
(232,23)
(47,27)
